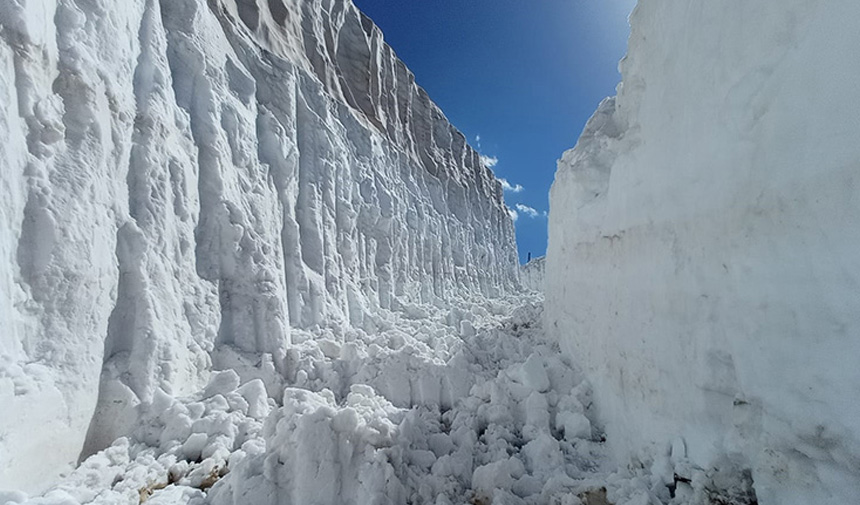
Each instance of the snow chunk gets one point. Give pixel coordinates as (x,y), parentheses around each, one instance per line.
(534,374)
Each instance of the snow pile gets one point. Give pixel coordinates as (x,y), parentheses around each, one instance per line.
(532,274)
(392,430)
(364,421)
(703,264)
(519,432)
(185,184)
(189,445)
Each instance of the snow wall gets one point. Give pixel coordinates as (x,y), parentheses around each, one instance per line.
(704,250)
(532,274)
(183,181)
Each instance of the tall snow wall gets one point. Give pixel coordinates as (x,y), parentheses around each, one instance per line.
(181,177)
(704,244)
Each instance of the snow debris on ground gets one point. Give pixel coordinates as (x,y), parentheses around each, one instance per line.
(470,405)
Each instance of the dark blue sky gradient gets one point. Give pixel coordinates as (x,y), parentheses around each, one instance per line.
(525,75)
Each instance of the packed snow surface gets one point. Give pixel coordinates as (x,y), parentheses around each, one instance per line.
(703,262)
(187,184)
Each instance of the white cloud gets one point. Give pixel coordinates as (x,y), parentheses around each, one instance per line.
(513,188)
(513,214)
(489,161)
(529,211)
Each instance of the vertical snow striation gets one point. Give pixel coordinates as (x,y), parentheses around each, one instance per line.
(703,264)
(183,182)
(67,154)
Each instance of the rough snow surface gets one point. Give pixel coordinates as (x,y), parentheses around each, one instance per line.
(185,183)
(702,264)
(415,413)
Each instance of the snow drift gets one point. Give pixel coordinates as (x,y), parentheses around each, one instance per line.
(182,182)
(703,261)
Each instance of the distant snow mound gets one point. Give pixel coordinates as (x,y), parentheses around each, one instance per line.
(185,182)
(532,274)
(703,262)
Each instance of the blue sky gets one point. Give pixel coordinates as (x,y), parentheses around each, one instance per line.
(519,78)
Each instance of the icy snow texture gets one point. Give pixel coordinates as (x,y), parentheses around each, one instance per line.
(703,262)
(184,181)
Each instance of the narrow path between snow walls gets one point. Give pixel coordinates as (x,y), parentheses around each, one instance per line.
(703,264)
